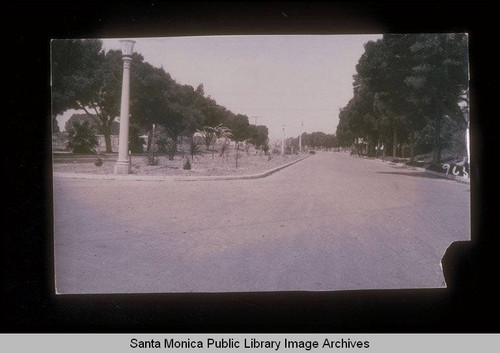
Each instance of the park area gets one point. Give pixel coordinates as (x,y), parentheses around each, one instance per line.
(207,163)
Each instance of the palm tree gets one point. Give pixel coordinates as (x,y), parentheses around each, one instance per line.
(194,149)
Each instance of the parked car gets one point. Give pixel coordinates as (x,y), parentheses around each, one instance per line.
(312,152)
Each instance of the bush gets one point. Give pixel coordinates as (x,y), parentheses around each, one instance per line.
(162,142)
(170,147)
(194,148)
(98,162)
(153,160)
(187,164)
(81,138)
(224,149)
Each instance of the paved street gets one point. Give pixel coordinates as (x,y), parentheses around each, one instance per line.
(329,222)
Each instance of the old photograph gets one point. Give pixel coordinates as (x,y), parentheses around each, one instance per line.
(258,163)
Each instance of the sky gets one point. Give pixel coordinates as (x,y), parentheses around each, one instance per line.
(295,83)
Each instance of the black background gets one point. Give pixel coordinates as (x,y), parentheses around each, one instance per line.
(28,304)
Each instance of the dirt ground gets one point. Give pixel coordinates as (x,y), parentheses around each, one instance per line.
(206,164)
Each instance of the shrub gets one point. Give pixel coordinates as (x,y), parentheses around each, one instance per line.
(81,137)
(194,148)
(224,149)
(170,147)
(98,162)
(153,160)
(187,164)
(161,141)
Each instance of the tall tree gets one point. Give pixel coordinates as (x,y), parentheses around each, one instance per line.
(363,120)
(239,126)
(344,134)
(212,115)
(102,102)
(180,113)
(148,97)
(259,135)
(81,137)
(413,83)
(382,70)
(438,82)
(74,63)
(86,78)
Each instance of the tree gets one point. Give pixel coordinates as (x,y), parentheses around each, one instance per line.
(317,139)
(304,139)
(438,82)
(380,76)
(194,148)
(258,135)
(148,97)
(239,126)
(405,86)
(78,118)
(209,134)
(344,135)
(95,91)
(363,121)
(180,113)
(74,64)
(102,103)
(55,125)
(86,78)
(211,116)
(331,141)
(135,142)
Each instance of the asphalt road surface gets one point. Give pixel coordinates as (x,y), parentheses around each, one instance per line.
(329,222)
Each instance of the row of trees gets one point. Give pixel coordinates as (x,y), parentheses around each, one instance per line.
(317,139)
(409,89)
(87,78)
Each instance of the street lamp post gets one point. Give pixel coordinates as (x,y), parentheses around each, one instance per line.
(122,166)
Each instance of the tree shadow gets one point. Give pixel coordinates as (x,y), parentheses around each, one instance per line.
(414,174)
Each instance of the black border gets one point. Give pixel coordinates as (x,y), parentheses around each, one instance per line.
(28,304)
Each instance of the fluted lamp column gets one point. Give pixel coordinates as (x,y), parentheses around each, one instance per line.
(122,166)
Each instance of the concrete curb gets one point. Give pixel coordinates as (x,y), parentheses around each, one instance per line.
(133,177)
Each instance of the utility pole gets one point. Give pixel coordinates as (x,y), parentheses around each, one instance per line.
(283,141)
(256,117)
(300,136)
